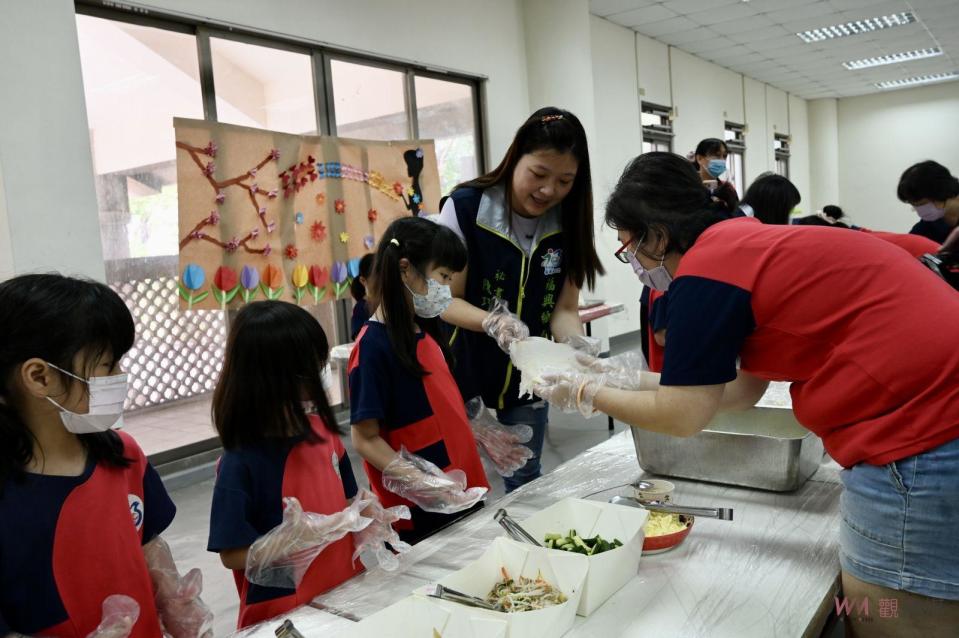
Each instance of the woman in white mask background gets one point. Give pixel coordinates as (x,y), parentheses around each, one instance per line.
(82,509)
(752,302)
(933,192)
(710,159)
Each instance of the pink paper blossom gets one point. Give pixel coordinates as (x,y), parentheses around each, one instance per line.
(209,168)
(254,188)
(232,245)
(220,197)
(252,172)
(275,154)
(267,250)
(214,218)
(210,149)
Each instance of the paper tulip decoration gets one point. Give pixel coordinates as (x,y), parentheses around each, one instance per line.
(339,276)
(272,282)
(249,280)
(353,267)
(300,278)
(225,285)
(319,277)
(191,281)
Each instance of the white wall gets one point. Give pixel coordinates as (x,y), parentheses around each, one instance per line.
(704,97)
(652,68)
(758,141)
(880,136)
(618,140)
(50,207)
(823,153)
(799,150)
(6,248)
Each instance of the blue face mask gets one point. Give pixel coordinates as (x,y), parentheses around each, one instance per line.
(716,167)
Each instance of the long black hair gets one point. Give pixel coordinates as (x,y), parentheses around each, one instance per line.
(554,129)
(927,180)
(425,245)
(772,197)
(275,356)
(56,318)
(663,193)
(357,289)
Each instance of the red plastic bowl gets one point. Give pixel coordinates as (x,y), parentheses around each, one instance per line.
(657,544)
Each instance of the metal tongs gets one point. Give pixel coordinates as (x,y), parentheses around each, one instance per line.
(445,593)
(720,513)
(514,529)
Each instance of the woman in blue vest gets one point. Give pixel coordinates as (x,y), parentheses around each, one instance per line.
(528,228)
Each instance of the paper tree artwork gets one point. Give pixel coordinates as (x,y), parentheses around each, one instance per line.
(267,215)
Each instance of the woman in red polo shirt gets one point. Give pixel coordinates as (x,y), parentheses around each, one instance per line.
(836,314)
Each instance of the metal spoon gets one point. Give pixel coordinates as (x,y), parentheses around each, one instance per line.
(445,593)
(514,529)
(719,513)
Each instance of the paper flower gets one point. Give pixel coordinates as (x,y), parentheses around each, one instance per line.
(220,197)
(318,231)
(261,211)
(272,282)
(270,227)
(369,242)
(319,277)
(291,251)
(300,277)
(252,172)
(225,285)
(298,218)
(371,215)
(190,282)
(232,245)
(249,280)
(210,149)
(397,188)
(209,168)
(321,198)
(254,189)
(344,237)
(419,153)
(214,218)
(275,154)
(416,198)
(339,206)
(272,194)
(353,267)
(267,250)
(254,233)
(410,191)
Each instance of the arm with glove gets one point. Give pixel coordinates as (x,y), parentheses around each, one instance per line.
(182,612)
(503,445)
(379,538)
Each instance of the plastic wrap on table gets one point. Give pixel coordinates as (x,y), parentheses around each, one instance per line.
(777,395)
(308,620)
(600,469)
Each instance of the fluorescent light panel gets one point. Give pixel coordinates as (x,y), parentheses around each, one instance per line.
(919,79)
(892,58)
(856,27)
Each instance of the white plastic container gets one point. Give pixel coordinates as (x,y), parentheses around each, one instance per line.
(608,571)
(416,616)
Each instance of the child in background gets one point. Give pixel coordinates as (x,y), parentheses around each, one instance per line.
(282,447)
(408,419)
(81,508)
(361,307)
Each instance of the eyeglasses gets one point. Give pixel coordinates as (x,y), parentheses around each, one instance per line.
(623,253)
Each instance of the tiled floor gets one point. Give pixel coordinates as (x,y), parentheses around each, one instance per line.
(171,427)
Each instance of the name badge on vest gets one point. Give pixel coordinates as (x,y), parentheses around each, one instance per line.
(553,261)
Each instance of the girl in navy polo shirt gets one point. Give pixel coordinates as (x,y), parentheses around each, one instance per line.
(528,228)
(409,421)
(281,442)
(81,508)
(836,314)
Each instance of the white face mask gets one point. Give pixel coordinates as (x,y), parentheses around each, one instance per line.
(435,302)
(107,395)
(658,278)
(929,212)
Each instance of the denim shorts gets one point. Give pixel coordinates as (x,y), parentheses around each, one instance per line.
(900,523)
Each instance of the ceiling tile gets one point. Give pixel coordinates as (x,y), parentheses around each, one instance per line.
(684,7)
(746,24)
(701,46)
(766,33)
(847,5)
(637,17)
(604,8)
(673,25)
(766,6)
(876,9)
(684,37)
(803,12)
(725,14)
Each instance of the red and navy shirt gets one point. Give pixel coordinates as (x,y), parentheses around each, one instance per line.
(69,542)
(658,302)
(248,503)
(424,414)
(915,245)
(853,321)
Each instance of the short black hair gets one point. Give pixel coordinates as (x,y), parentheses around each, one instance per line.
(772,197)
(357,289)
(927,180)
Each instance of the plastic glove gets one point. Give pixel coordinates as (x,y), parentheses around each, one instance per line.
(417,480)
(503,445)
(587,345)
(120,614)
(281,557)
(570,391)
(182,612)
(624,371)
(504,326)
(380,532)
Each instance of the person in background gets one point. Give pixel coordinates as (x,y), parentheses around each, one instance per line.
(282,448)
(832,216)
(528,228)
(709,159)
(408,419)
(82,509)
(771,199)
(933,192)
(361,307)
(750,303)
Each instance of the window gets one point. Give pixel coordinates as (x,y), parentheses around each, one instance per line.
(139,72)
(657,128)
(781,151)
(735,137)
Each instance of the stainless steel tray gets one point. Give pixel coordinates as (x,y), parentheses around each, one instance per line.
(764,447)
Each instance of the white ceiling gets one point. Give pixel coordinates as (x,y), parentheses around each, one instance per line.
(758,38)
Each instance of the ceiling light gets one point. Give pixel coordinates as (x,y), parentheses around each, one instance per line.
(856,27)
(919,79)
(892,58)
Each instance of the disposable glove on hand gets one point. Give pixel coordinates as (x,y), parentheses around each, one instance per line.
(380,532)
(417,480)
(182,612)
(569,391)
(503,445)
(504,326)
(587,345)
(120,614)
(624,371)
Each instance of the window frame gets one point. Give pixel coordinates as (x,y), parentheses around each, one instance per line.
(657,135)
(737,147)
(781,152)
